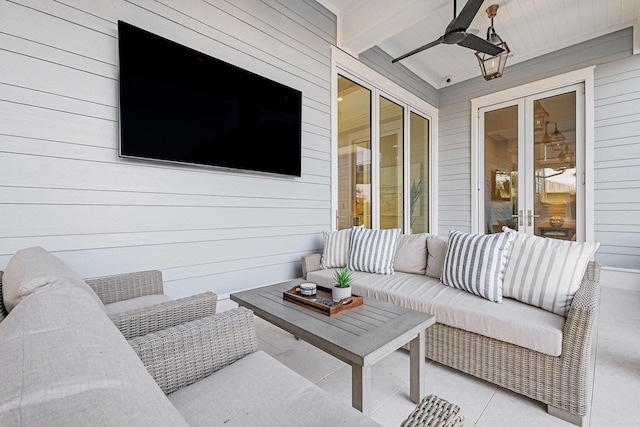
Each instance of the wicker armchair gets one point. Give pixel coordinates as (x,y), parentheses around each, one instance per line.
(154,317)
(182,355)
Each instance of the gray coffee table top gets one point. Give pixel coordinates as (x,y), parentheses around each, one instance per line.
(360,336)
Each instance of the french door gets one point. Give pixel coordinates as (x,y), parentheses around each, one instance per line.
(532,164)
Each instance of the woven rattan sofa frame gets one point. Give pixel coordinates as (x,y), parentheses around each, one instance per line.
(561,382)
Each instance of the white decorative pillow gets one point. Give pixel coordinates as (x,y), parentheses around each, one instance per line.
(336,248)
(436,251)
(545,272)
(373,251)
(476,262)
(411,253)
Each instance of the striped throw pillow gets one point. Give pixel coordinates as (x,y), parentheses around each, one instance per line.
(336,248)
(476,263)
(545,272)
(372,251)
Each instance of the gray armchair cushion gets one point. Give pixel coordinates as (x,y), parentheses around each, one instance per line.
(258,390)
(64,363)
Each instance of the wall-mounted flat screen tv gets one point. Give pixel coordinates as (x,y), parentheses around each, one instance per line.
(180,105)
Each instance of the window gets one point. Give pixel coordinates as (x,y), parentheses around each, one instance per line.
(382,177)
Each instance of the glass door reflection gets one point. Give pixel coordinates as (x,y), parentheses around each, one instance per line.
(554,170)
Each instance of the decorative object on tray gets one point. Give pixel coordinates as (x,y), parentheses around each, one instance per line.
(342,288)
(322,302)
(307,289)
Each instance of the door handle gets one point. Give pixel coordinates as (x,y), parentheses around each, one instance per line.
(519,216)
(530,216)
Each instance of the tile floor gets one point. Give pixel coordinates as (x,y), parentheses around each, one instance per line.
(616,391)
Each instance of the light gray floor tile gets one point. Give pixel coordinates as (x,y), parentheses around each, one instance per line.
(508,409)
(616,377)
(310,362)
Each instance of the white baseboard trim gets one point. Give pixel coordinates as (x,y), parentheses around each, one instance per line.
(620,278)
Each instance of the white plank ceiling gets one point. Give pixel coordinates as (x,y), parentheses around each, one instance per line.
(530,27)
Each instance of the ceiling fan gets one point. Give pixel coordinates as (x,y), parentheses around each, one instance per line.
(456,33)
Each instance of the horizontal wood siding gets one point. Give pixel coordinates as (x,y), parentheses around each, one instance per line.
(617,163)
(617,140)
(63,186)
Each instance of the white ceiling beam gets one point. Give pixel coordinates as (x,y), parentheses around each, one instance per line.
(363,25)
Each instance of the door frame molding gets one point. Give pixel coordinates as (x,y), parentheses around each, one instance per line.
(585,76)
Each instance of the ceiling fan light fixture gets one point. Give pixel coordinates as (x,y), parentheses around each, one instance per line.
(492,66)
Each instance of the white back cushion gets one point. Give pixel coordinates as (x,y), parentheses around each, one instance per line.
(411,253)
(436,251)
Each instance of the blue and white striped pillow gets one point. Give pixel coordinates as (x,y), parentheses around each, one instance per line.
(476,263)
(372,251)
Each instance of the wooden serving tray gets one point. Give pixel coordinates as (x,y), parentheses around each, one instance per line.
(322,302)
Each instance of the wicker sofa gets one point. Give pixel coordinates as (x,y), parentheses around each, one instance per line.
(559,378)
(65,363)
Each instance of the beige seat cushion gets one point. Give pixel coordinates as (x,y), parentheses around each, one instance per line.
(257,390)
(511,321)
(64,363)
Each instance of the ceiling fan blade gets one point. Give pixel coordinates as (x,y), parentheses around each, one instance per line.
(420,49)
(474,42)
(463,20)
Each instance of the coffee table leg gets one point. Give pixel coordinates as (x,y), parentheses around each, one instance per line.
(416,367)
(361,388)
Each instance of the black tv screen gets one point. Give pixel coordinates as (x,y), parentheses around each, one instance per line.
(180,105)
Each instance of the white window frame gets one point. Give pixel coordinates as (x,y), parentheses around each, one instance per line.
(351,68)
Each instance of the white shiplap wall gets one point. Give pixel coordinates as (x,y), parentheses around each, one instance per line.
(63,186)
(617,140)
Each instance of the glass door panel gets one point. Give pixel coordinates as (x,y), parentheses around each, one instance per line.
(501,169)
(418,173)
(354,154)
(554,169)
(391,159)
(533,153)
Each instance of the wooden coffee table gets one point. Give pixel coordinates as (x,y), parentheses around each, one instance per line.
(360,336)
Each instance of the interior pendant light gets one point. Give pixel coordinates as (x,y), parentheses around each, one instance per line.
(557,138)
(492,67)
(540,116)
(546,138)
